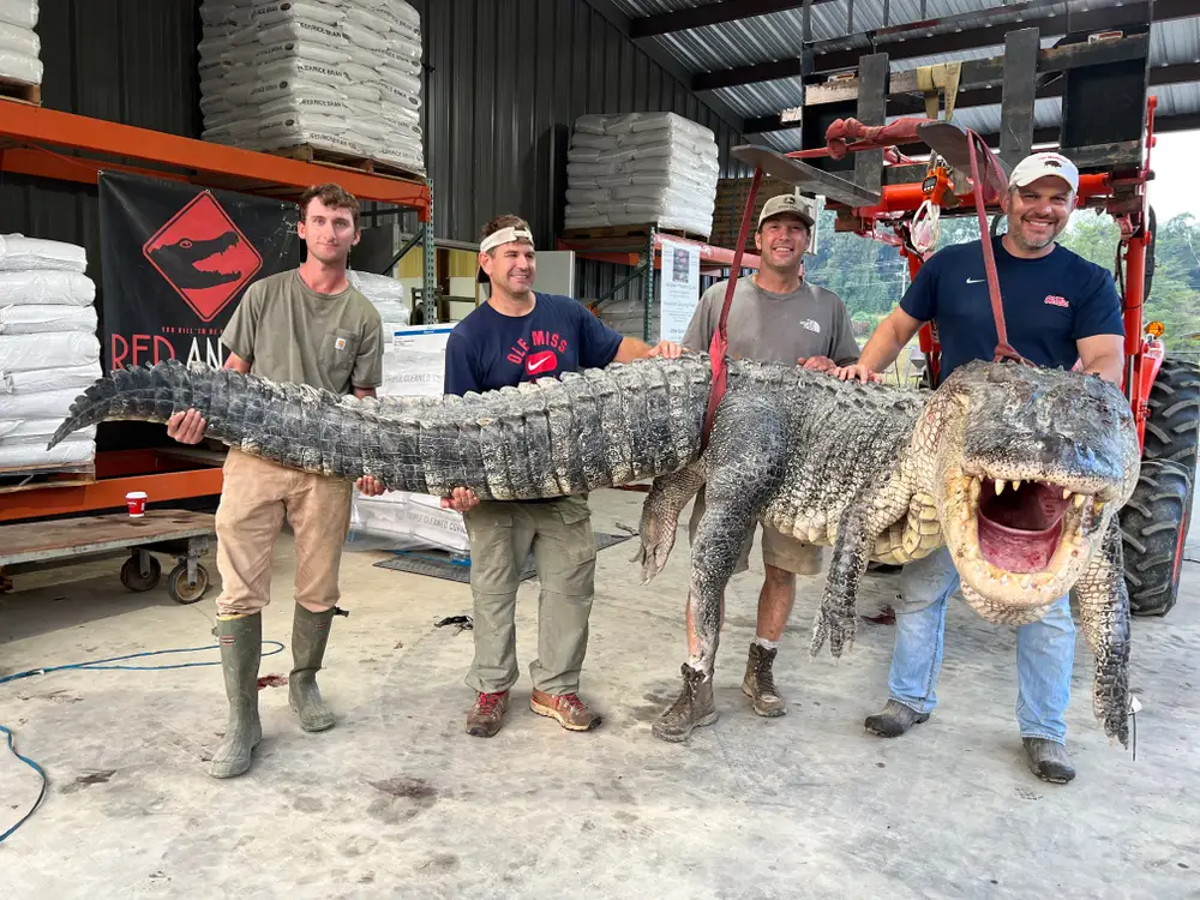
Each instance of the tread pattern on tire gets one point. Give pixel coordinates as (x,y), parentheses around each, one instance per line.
(1150,524)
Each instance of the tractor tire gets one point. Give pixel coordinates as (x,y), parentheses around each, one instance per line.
(1173,425)
(1154,527)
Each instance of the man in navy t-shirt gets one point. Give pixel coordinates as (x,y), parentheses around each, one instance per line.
(519,335)
(1059,310)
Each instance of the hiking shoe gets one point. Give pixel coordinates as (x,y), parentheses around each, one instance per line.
(759,683)
(571,712)
(894,719)
(487,715)
(1049,760)
(692,708)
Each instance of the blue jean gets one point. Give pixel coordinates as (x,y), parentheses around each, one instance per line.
(1045,650)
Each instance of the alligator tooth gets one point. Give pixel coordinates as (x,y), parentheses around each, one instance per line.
(1078,501)
(1098,507)
(1017,485)
(1026,583)
(999,486)
(1066,493)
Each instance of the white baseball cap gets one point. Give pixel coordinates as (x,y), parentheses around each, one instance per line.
(1039,165)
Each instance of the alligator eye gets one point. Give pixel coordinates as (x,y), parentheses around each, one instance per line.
(186,244)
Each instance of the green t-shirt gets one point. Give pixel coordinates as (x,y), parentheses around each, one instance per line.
(289,332)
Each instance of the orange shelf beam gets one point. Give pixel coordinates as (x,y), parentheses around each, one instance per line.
(37,126)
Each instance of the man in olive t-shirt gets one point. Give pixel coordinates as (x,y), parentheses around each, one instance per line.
(307,326)
(775,316)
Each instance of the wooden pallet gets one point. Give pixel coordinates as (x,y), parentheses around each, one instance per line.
(626,232)
(336,160)
(19,92)
(31,478)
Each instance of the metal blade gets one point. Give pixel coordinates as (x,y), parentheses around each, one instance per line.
(806,177)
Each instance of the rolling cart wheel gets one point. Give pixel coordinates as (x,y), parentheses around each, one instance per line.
(132,578)
(180,590)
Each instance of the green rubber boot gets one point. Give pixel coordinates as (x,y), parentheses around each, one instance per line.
(240,638)
(310,634)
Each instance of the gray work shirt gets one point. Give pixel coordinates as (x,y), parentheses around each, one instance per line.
(810,321)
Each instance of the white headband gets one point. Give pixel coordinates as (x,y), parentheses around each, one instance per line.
(505,236)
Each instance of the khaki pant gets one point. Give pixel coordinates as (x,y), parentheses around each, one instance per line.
(256,498)
(778,549)
(559,532)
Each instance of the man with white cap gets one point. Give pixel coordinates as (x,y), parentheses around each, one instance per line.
(775,316)
(520,335)
(1058,309)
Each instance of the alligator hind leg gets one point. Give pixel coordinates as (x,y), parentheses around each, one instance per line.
(740,482)
(660,516)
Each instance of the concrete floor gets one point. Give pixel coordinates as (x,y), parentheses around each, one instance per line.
(397,801)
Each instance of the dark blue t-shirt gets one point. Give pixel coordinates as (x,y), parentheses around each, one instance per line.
(1049,303)
(488,350)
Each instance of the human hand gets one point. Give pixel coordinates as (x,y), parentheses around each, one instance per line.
(666,349)
(817,363)
(370,486)
(460,500)
(186,427)
(856,372)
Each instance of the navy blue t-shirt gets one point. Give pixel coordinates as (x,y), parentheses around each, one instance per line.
(488,350)
(1049,303)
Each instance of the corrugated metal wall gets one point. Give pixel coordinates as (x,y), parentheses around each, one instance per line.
(506,80)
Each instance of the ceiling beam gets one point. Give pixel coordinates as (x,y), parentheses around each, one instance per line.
(713,14)
(667,62)
(986,36)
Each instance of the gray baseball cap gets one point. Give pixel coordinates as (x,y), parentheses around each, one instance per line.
(787,204)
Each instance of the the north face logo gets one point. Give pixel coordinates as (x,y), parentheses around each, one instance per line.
(1054,300)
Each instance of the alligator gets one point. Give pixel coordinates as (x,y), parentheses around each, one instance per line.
(178,261)
(1020,471)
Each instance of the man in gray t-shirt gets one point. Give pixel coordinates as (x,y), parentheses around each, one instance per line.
(775,316)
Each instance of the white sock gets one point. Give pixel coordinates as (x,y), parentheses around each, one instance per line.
(765,644)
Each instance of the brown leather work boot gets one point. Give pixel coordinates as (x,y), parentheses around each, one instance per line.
(571,712)
(487,715)
(759,683)
(692,708)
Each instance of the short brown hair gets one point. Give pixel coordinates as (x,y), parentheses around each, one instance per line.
(332,195)
(501,222)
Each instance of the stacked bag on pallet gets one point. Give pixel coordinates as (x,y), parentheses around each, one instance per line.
(642,169)
(20,46)
(49,352)
(337,75)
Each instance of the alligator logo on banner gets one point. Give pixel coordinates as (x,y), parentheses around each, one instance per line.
(176,260)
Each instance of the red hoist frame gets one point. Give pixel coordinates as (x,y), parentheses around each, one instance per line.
(968,153)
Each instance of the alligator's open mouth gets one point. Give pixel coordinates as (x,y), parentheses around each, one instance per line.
(1030,530)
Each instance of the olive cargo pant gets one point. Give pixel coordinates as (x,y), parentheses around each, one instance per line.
(560,534)
(256,497)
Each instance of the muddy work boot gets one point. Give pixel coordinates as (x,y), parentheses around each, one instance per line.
(240,638)
(759,683)
(692,708)
(1049,760)
(487,715)
(894,719)
(571,712)
(310,633)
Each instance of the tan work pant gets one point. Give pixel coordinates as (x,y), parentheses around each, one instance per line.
(256,498)
(778,549)
(559,532)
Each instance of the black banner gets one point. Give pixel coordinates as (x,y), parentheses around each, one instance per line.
(176,260)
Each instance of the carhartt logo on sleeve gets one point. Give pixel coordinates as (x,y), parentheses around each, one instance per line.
(1054,300)
(340,344)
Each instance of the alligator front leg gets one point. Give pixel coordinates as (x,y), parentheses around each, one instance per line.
(837,617)
(1104,617)
(660,516)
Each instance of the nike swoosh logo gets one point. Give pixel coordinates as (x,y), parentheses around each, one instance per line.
(975,280)
(540,364)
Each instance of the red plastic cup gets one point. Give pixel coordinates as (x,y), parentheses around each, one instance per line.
(136,502)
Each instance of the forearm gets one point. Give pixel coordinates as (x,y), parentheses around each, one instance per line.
(882,348)
(631,349)
(1110,367)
